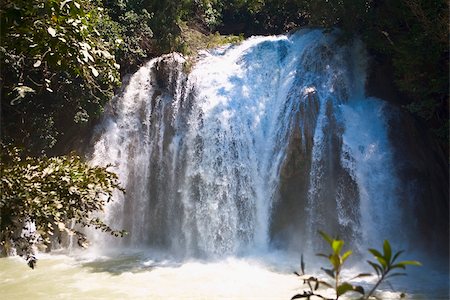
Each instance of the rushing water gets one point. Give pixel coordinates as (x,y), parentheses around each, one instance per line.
(206,158)
(135,275)
(201,155)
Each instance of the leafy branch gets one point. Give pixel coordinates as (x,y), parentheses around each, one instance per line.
(386,262)
(49,193)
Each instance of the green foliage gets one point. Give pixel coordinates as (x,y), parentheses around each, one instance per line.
(165,22)
(47,37)
(129,25)
(56,66)
(50,192)
(195,40)
(207,12)
(414,35)
(386,263)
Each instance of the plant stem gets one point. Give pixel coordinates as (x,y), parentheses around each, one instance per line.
(375,286)
(337,284)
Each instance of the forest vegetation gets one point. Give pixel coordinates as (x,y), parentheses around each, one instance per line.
(62,60)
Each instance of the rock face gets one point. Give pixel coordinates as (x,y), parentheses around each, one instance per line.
(294,175)
(423,172)
(421,166)
(422,163)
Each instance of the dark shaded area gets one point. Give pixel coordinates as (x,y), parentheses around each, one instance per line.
(422,163)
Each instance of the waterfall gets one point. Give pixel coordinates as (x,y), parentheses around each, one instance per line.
(208,157)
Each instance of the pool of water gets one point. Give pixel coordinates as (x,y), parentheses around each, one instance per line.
(135,276)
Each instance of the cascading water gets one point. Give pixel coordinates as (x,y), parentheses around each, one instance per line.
(202,155)
(242,160)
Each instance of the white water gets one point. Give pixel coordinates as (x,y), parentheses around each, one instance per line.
(200,156)
(134,276)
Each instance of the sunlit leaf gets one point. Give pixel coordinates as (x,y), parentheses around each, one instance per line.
(94,71)
(64,3)
(21,91)
(335,261)
(346,255)
(51,31)
(337,245)
(383,262)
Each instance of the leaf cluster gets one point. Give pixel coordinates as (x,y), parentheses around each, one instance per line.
(386,262)
(50,192)
(48,37)
(57,69)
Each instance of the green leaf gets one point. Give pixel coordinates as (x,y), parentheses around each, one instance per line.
(395,274)
(335,261)
(361,275)
(375,253)
(329,272)
(346,287)
(323,255)
(94,71)
(51,31)
(376,267)
(387,251)
(326,237)
(383,262)
(346,255)
(409,262)
(337,245)
(397,255)
(299,296)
